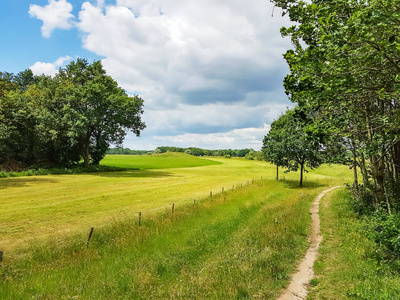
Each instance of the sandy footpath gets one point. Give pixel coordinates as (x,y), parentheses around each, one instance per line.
(297,288)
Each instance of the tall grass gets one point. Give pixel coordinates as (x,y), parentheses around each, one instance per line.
(242,243)
(350,265)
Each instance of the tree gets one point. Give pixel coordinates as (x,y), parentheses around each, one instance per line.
(96,110)
(345,65)
(273,145)
(288,144)
(47,121)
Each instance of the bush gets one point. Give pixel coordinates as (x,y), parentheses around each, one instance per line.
(384,229)
(362,201)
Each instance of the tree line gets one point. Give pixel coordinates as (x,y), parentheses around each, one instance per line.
(247,153)
(345,79)
(62,120)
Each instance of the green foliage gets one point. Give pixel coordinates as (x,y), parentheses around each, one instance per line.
(127,151)
(345,68)
(289,145)
(384,229)
(254,155)
(200,152)
(97,111)
(350,265)
(74,170)
(57,121)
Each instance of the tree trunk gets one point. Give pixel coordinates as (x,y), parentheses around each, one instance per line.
(378,169)
(85,152)
(86,157)
(301,173)
(354,151)
(277,172)
(363,168)
(377,163)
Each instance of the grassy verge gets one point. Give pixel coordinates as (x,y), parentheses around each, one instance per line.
(350,265)
(241,244)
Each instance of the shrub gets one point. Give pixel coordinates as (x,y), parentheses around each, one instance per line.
(384,229)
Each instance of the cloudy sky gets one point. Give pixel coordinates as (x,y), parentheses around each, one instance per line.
(210,71)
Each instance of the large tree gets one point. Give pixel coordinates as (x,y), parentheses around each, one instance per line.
(97,111)
(345,65)
(288,144)
(57,121)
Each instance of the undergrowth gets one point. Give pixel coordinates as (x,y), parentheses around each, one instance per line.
(72,170)
(351,264)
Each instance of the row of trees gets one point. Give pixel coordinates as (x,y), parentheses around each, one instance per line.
(59,121)
(127,151)
(247,153)
(204,152)
(345,76)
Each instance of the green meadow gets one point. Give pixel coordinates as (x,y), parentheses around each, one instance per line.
(243,242)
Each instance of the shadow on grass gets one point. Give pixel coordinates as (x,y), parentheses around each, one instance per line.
(23,181)
(295,184)
(135,174)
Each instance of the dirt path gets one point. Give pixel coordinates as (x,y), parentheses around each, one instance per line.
(297,288)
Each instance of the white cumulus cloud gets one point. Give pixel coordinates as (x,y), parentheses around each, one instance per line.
(49,69)
(57,14)
(204,68)
(201,66)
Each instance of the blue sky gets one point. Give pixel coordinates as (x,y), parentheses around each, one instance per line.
(210,72)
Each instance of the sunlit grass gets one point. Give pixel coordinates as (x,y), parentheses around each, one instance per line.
(37,207)
(241,243)
(349,264)
(156,161)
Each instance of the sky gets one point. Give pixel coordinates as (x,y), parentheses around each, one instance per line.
(210,72)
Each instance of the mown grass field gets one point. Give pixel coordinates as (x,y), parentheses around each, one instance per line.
(161,161)
(242,243)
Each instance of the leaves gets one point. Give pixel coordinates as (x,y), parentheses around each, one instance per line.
(288,144)
(57,121)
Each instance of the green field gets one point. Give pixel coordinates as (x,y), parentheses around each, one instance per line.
(241,243)
(161,161)
(39,206)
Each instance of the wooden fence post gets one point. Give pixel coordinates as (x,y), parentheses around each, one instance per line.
(1,257)
(222,189)
(90,236)
(140,217)
(173,205)
(233,187)
(211,194)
